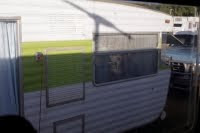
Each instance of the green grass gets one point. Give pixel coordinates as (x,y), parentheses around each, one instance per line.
(64,67)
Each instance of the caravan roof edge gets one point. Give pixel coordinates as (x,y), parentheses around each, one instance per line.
(132,3)
(12,18)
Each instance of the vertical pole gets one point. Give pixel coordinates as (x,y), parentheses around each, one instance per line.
(198,69)
(159,40)
(21,88)
(196,12)
(196,92)
(159,49)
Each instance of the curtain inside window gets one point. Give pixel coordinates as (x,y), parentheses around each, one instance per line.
(9,81)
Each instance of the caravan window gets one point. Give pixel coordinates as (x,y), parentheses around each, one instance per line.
(121,57)
(177,25)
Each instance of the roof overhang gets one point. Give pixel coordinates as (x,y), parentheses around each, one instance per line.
(174,2)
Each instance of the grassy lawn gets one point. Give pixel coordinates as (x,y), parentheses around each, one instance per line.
(64,67)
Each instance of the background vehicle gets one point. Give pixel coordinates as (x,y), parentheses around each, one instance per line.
(181,53)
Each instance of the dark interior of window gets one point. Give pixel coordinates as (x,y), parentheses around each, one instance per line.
(125,65)
(177,25)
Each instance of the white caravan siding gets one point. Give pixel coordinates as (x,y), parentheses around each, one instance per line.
(185,25)
(48,20)
(107,109)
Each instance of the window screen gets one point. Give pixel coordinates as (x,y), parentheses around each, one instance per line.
(121,57)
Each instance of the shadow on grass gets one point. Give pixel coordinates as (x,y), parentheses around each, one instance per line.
(61,69)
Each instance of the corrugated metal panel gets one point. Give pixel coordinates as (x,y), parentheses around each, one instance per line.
(74,57)
(75,124)
(60,95)
(111,108)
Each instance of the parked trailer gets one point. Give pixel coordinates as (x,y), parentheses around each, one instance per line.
(185,25)
(124,37)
